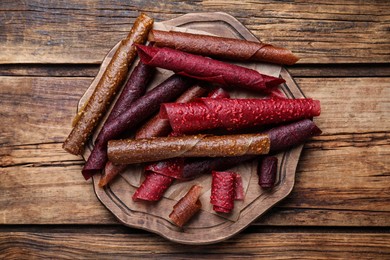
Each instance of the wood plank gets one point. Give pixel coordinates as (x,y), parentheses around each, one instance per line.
(283,215)
(350,105)
(47,194)
(268,245)
(82,32)
(50,70)
(30,107)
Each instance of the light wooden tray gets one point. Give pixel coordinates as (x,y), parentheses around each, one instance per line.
(206,227)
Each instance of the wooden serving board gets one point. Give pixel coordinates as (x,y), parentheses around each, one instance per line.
(206,227)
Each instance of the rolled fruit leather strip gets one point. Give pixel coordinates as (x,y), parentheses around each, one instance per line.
(221,47)
(154,127)
(233,114)
(109,84)
(187,206)
(207,69)
(131,151)
(222,191)
(267,170)
(139,111)
(281,137)
(290,135)
(153,187)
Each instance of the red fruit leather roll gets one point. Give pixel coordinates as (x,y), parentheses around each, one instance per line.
(207,69)
(222,191)
(160,127)
(131,151)
(109,84)
(153,187)
(267,169)
(187,206)
(232,114)
(139,110)
(221,47)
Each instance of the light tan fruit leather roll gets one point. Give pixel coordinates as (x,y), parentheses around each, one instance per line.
(109,84)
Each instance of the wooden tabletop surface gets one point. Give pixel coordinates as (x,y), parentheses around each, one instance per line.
(340,204)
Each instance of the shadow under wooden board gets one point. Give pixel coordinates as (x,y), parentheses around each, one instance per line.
(206,227)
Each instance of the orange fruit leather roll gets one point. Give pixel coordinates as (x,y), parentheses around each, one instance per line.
(109,84)
(187,206)
(129,151)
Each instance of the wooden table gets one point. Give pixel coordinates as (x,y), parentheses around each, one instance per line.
(340,205)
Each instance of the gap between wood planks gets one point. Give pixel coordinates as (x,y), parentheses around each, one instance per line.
(121,229)
(298,70)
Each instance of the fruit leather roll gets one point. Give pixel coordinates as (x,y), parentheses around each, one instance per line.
(109,84)
(223,191)
(267,170)
(232,114)
(221,47)
(134,89)
(187,206)
(139,110)
(282,138)
(153,187)
(207,69)
(130,151)
(290,135)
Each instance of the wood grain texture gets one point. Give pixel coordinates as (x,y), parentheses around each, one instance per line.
(47,62)
(267,245)
(82,32)
(342,177)
(298,70)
